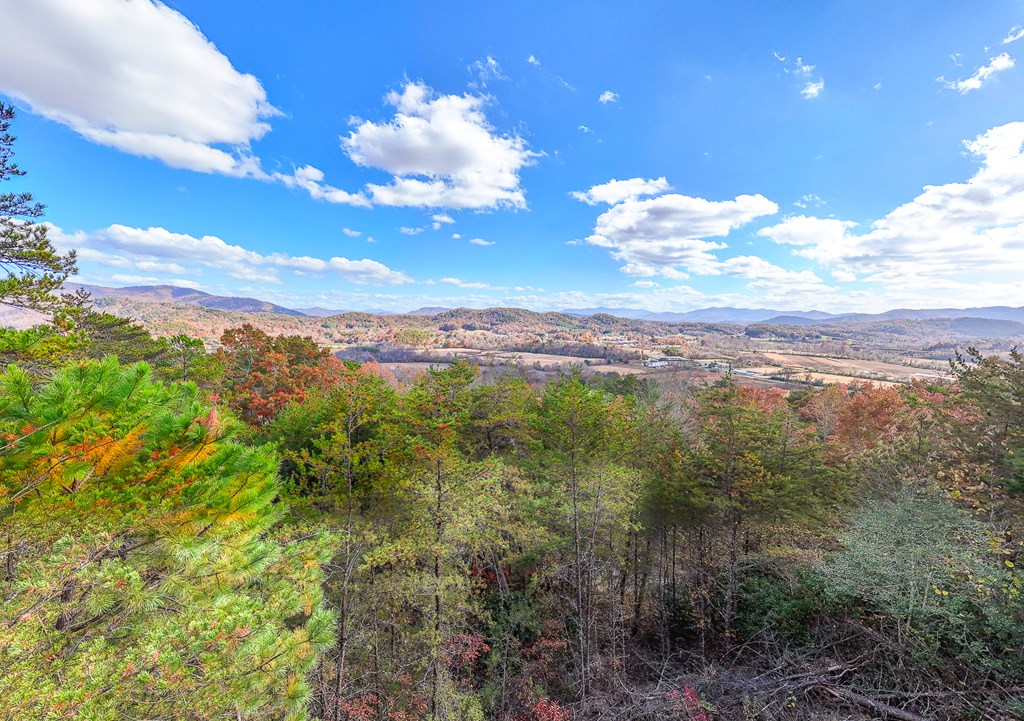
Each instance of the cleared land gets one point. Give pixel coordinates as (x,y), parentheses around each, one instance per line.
(847,369)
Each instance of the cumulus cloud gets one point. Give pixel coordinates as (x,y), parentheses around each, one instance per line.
(616,191)
(608,97)
(442,153)
(773,280)
(440,219)
(981,76)
(410,231)
(479,241)
(160,250)
(351,233)
(1015,34)
(532,60)
(137,76)
(645,284)
(948,231)
(311,179)
(660,235)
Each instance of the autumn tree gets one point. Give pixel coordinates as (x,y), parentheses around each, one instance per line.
(264,374)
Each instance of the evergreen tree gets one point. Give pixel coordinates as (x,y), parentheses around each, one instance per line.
(144,576)
(33,270)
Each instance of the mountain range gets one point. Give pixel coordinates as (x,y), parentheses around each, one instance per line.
(748,316)
(740,316)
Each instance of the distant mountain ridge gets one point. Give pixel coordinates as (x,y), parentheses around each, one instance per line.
(747,316)
(724,314)
(183,296)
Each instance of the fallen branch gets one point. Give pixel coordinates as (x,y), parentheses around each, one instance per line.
(875,705)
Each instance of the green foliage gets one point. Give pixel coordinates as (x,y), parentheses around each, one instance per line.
(40,350)
(777,608)
(993,388)
(33,271)
(145,575)
(642,390)
(936,572)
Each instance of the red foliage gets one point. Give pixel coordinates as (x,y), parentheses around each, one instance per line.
(461,652)
(265,374)
(765,400)
(546,710)
(405,705)
(686,705)
(868,416)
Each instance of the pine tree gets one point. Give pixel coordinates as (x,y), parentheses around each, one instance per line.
(144,576)
(34,271)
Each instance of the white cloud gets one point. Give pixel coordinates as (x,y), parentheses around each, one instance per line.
(657,236)
(645,284)
(160,250)
(440,219)
(771,280)
(410,231)
(442,152)
(137,76)
(149,280)
(800,69)
(877,86)
(1015,34)
(803,68)
(480,241)
(311,179)
(809,199)
(616,191)
(981,76)
(456,236)
(486,70)
(954,231)
(608,97)
(585,129)
(351,233)
(813,89)
(532,60)
(465,284)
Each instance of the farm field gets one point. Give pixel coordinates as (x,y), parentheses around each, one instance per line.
(846,369)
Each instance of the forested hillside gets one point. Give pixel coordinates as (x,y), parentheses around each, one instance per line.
(352,548)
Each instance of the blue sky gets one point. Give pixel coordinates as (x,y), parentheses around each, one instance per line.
(662,155)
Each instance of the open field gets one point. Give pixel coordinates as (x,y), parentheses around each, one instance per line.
(847,369)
